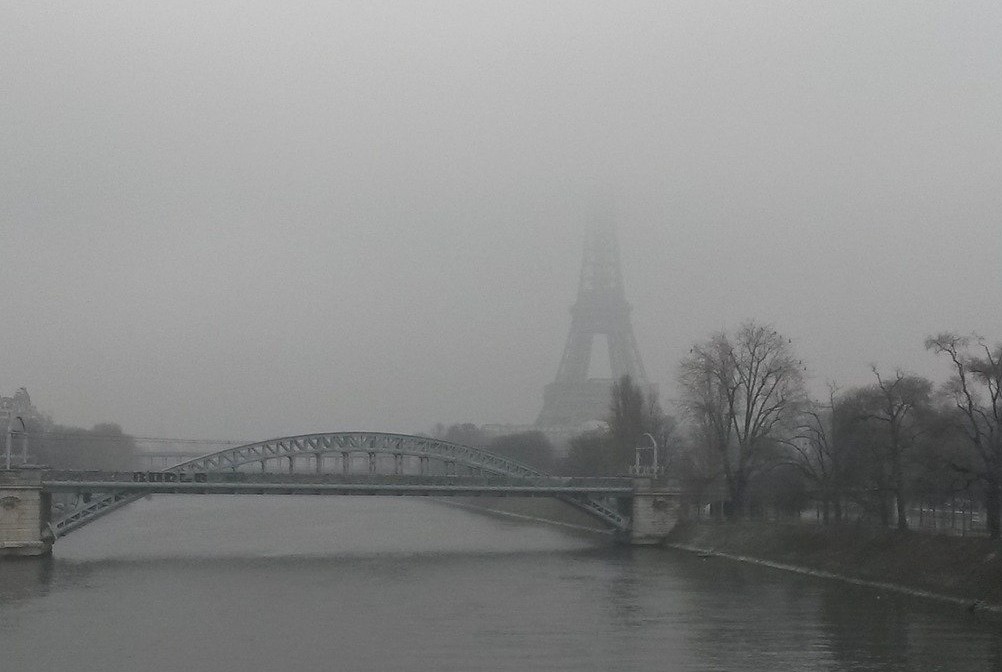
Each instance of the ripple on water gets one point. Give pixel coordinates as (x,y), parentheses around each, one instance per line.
(232,584)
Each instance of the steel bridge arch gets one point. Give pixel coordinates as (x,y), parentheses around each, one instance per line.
(354,443)
(320,445)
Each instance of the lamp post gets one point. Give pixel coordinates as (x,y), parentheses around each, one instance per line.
(652,470)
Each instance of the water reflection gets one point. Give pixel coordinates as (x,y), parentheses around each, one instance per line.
(25,578)
(870,630)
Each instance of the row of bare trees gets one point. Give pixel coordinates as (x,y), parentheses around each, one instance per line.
(878,448)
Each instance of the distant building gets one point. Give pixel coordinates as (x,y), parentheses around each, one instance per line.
(13,407)
(576,402)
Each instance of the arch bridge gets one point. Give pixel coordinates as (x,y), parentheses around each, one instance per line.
(340,463)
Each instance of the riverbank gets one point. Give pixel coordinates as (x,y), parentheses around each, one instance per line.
(964,570)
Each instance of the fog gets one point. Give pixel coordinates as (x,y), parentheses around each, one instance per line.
(250,219)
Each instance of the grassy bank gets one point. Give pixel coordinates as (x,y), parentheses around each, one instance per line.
(967,570)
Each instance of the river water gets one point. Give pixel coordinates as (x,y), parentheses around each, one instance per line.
(339,583)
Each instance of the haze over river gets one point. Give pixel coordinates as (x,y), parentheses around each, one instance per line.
(339,583)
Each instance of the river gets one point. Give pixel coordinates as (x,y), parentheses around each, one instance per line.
(229,583)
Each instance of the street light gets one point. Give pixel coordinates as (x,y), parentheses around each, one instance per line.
(652,470)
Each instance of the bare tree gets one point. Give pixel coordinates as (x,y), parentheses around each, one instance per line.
(696,467)
(744,392)
(104,446)
(632,413)
(628,417)
(895,404)
(592,453)
(532,448)
(976,391)
(819,451)
(466,434)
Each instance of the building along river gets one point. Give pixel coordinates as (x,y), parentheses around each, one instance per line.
(237,583)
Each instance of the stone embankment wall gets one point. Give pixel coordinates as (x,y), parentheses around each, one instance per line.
(964,570)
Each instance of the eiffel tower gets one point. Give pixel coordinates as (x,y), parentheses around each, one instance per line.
(601,309)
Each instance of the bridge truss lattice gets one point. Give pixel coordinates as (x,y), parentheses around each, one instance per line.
(340,449)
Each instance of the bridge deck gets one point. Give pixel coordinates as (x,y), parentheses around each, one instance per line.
(331,484)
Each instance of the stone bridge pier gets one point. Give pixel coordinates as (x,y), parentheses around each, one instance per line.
(656,510)
(25,512)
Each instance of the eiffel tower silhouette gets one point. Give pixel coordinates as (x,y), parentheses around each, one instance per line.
(601,309)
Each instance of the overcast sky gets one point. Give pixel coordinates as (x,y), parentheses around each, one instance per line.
(250,219)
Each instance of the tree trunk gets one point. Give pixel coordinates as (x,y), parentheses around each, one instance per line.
(993,508)
(738,506)
(902,510)
(899,493)
(885,507)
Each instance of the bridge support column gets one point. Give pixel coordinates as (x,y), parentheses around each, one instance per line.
(655,513)
(25,513)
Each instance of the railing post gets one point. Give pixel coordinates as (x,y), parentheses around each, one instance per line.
(25,513)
